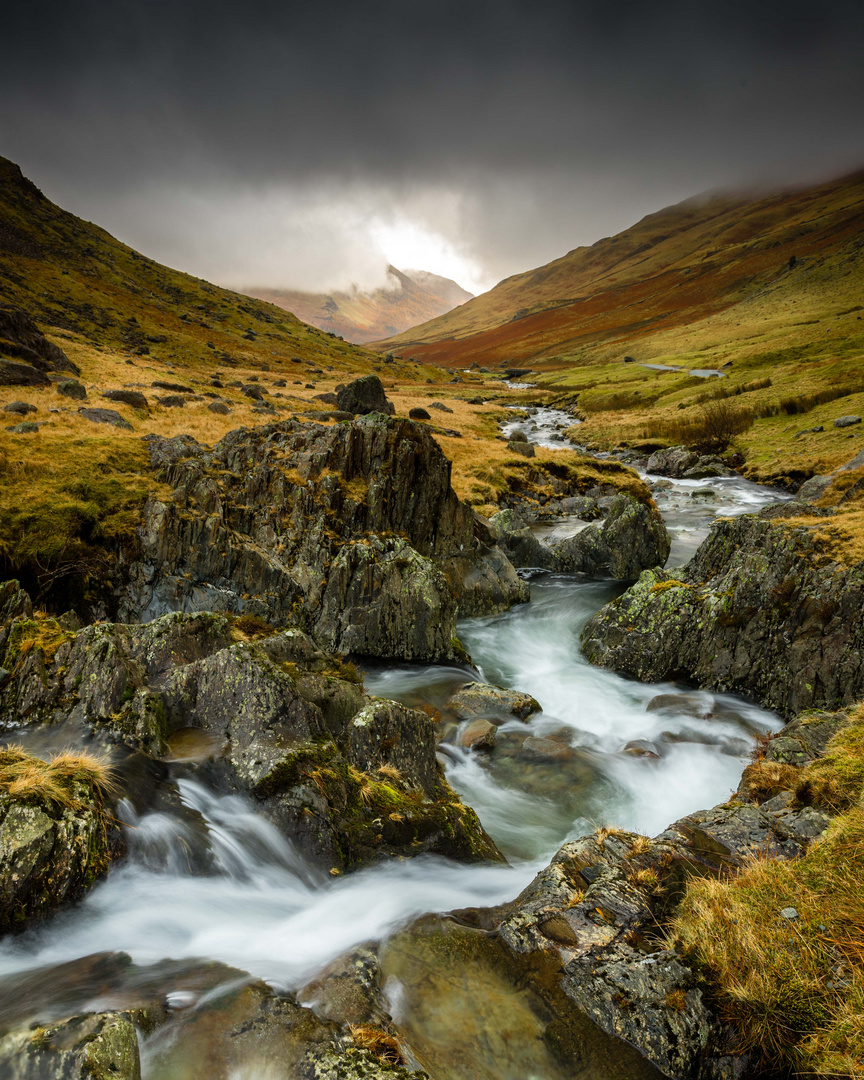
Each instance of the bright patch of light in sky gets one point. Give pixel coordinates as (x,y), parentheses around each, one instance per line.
(407,244)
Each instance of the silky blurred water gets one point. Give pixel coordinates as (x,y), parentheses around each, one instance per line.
(218,884)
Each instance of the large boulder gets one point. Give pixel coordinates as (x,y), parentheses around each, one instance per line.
(602,904)
(347,777)
(55,837)
(519,543)
(345,529)
(15,373)
(632,538)
(756,612)
(364,395)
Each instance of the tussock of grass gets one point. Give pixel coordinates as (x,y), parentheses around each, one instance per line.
(379,1042)
(764,779)
(57,781)
(793,987)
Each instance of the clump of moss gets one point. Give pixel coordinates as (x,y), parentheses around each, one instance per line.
(41,632)
(663,586)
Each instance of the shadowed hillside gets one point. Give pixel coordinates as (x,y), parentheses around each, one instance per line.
(410,297)
(73,276)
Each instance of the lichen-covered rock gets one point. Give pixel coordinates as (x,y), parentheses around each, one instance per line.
(347,777)
(50,854)
(484,701)
(96,1046)
(632,538)
(756,611)
(519,543)
(345,530)
(603,901)
(383,599)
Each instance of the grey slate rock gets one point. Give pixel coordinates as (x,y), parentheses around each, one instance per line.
(106,416)
(364,395)
(71,388)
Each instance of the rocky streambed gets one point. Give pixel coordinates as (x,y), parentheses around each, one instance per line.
(256,770)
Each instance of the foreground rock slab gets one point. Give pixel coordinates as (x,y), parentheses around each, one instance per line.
(601,906)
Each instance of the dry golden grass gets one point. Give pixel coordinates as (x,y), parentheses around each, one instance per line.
(835,780)
(390,772)
(641,845)
(57,781)
(764,779)
(379,1042)
(794,987)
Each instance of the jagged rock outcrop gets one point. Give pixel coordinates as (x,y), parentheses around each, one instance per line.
(351,531)
(349,778)
(758,611)
(632,538)
(603,901)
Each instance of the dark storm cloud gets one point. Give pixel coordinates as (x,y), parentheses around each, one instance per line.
(551,122)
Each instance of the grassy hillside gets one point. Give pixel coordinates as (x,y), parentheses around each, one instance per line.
(673,269)
(410,298)
(768,291)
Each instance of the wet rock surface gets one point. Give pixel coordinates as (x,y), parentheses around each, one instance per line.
(632,538)
(476,701)
(519,543)
(757,611)
(299,522)
(98,1046)
(603,901)
(347,777)
(683,464)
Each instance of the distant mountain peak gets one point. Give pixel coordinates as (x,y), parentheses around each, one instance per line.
(360,316)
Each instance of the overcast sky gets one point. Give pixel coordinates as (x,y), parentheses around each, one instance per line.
(304,145)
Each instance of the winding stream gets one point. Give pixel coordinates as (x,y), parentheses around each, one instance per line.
(192,909)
